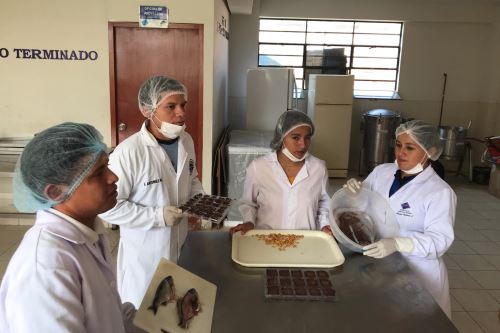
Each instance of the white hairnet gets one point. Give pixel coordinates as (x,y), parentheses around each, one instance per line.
(60,155)
(288,121)
(156,89)
(425,135)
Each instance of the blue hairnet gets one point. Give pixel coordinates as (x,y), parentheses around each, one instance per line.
(425,135)
(287,121)
(156,89)
(60,155)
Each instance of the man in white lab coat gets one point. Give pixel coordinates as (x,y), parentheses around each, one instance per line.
(424,205)
(156,168)
(61,277)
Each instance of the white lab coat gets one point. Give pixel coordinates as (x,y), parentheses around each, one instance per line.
(425,210)
(270,202)
(58,281)
(148,182)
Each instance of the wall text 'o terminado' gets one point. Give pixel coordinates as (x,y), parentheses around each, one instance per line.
(44,54)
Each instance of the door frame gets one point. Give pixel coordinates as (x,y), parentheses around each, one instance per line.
(112,79)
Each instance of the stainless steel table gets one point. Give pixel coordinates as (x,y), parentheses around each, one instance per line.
(372,295)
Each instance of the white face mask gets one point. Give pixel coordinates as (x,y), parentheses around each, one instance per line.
(168,130)
(292,157)
(413,171)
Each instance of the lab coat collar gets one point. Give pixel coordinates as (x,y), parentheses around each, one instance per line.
(303,173)
(146,135)
(67,228)
(182,156)
(421,178)
(150,140)
(62,225)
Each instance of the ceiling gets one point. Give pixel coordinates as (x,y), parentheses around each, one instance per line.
(245,6)
(240,6)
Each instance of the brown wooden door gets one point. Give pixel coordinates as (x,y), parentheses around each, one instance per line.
(139,53)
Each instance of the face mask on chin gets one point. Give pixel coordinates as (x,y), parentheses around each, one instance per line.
(415,170)
(168,130)
(292,157)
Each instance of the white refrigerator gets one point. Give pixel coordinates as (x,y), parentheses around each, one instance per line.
(270,92)
(329,105)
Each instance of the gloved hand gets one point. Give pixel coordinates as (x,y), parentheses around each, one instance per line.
(387,246)
(128,313)
(172,215)
(353,185)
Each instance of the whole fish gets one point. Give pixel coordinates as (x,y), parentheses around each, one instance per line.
(164,293)
(188,307)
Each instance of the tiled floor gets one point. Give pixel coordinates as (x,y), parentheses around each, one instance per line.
(473,261)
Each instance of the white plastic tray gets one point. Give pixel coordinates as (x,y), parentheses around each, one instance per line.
(166,318)
(316,249)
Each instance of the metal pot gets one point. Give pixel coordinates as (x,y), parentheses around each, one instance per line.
(378,127)
(453,139)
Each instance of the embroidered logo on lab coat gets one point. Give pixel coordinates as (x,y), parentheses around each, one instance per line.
(405,210)
(191,166)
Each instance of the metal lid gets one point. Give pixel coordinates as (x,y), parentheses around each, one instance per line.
(385,113)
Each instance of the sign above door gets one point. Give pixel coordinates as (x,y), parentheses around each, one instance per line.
(153,17)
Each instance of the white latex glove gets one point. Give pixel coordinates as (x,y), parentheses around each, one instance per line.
(172,215)
(387,246)
(353,185)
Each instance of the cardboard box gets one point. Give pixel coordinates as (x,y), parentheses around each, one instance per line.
(494,186)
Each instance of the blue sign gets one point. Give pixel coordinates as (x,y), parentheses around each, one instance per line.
(153,17)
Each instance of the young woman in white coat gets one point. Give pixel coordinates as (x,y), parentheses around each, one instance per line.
(61,277)
(156,168)
(424,205)
(286,189)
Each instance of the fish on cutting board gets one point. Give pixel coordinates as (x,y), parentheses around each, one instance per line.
(188,307)
(164,293)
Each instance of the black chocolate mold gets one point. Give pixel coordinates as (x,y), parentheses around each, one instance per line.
(208,207)
(297,284)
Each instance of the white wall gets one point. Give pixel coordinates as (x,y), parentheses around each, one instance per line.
(407,10)
(460,38)
(36,94)
(432,48)
(243,54)
(220,76)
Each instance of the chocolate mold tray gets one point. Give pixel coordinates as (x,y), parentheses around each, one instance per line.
(299,284)
(209,207)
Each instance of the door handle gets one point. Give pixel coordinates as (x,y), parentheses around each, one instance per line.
(122,127)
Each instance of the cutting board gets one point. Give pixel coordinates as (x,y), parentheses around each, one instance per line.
(315,249)
(166,318)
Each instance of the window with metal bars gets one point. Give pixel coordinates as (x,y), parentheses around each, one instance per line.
(370,50)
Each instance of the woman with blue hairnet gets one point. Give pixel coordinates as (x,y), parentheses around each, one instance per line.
(286,189)
(424,205)
(157,172)
(61,277)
